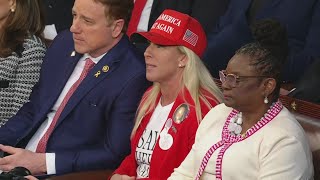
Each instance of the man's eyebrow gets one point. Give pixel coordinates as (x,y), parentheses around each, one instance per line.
(83,16)
(86,17)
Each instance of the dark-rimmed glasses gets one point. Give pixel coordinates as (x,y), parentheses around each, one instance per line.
(232,79)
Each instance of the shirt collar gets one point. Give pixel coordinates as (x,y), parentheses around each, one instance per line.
(95,60)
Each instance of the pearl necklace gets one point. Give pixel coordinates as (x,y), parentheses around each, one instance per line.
(236,121)
(235,124)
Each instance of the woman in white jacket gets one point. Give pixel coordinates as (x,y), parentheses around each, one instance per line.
(251,136)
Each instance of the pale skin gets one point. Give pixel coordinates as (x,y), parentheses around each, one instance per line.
(30,178)
(93,34)
(5,10)
(35,162)
(164,65)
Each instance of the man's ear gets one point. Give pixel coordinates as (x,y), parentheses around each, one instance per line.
(117,27)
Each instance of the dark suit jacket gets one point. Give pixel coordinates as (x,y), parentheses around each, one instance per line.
(93,131)
(59,12)
(307,87)
(232,31)
(207,12)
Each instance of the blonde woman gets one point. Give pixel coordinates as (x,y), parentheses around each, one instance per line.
(171,110)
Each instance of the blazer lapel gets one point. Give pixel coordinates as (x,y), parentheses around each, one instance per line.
(154,4)
(98,73)
(153,7)
(68,64)
(267,8)
(246,4)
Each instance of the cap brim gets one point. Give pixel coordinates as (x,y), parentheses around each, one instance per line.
(155,38)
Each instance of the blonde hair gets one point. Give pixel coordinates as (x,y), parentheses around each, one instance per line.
(196,78)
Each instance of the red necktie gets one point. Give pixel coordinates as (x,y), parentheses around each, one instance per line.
(135,16)
(41,148)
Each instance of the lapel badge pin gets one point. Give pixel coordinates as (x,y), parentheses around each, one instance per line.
(105,68)
(181,113)
(73,53)
(97,74)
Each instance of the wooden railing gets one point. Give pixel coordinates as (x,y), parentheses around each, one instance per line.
(94,175)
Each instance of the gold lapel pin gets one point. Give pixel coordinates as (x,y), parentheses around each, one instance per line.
(97,74)
(105,68)
(73,53)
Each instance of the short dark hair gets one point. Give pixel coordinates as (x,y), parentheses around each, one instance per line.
(27,19)
(269,51)
(118,9)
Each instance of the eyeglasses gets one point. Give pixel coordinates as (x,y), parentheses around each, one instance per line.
(232,79)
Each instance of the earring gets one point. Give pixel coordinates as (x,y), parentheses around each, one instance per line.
(12,9)
(266,101)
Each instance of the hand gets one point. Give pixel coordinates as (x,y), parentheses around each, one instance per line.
(35,162)
(122,177)
(30,178)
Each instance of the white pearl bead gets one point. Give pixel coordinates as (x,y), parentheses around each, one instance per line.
(239,120)
(238,129)
(232,127)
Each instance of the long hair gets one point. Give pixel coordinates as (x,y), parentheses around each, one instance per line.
(27,19)
(196,79)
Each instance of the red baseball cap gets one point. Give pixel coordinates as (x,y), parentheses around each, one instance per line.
(173,28)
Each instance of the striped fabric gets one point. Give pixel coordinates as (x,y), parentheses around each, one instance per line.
(228,139)
(22,73)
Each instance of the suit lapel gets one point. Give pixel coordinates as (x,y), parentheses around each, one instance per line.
(267,8)
(110,60)
(68,64)
(246,4)
(153,7)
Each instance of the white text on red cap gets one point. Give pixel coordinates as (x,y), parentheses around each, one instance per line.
(166,27)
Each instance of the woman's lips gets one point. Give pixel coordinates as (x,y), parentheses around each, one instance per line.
(226,96)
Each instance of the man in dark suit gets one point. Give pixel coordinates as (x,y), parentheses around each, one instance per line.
(301,19)
(59,13)
(206,12)
(80,119)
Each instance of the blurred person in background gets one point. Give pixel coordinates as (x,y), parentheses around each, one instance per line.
(21,53)
(58,17)
(301,19)
(146,12)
